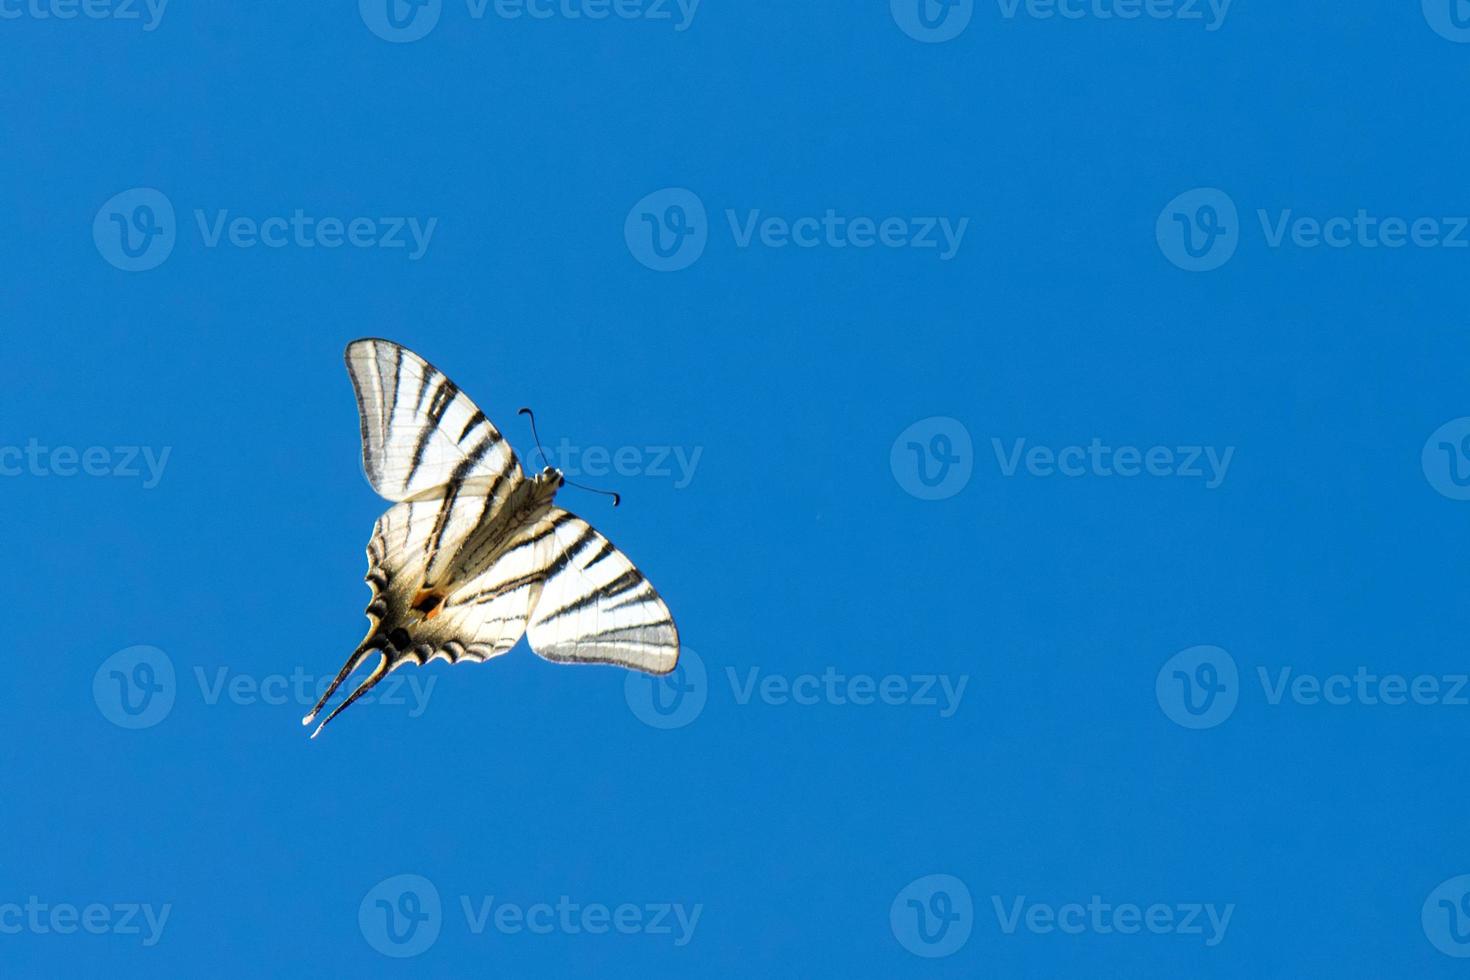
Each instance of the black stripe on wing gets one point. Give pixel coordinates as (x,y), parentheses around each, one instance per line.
(419,429)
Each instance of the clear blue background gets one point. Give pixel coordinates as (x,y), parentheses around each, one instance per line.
(794,548)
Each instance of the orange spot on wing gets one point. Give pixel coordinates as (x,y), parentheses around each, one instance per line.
(429,602)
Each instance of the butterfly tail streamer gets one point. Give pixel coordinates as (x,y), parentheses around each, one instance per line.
(356,660)
(385,664)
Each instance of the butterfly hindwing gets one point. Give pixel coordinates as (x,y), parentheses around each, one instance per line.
(596,607)
(414,573)
(419,431)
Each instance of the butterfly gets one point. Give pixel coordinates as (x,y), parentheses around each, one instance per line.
(472,554)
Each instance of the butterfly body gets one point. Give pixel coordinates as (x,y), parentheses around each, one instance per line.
(473,554)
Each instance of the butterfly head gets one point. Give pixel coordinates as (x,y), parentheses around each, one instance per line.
(543,487)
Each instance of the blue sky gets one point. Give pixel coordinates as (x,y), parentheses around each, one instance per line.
(1048,423)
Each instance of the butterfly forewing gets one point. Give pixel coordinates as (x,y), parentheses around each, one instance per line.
(419,431)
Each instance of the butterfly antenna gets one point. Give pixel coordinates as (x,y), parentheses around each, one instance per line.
(616,497)
(545,460)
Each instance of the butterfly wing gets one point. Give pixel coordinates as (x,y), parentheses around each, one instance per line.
(472,552)
(478,618)
(481,617)
(596,607)
(419,431)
